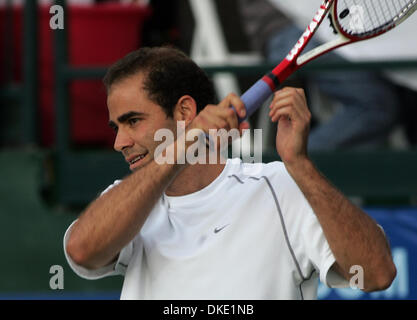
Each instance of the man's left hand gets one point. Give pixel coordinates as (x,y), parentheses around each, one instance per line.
(289,109)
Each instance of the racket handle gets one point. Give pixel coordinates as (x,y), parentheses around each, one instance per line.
(254,97)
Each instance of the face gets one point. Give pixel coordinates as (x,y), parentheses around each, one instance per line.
(135,119)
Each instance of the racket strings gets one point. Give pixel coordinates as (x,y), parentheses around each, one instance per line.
(364,17)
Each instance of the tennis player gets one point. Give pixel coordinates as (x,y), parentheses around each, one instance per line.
(217,231)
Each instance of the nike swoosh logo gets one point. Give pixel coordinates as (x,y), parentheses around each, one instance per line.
(217,230)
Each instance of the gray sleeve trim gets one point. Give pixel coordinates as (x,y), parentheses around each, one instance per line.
(282,225)
(304,280)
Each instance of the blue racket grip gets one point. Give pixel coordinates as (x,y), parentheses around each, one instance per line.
(254,97)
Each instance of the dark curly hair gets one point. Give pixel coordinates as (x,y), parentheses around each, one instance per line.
(169,75)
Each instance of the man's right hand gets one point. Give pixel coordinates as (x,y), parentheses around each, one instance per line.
(221,116)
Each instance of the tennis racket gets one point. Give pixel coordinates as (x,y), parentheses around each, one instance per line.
(351,20)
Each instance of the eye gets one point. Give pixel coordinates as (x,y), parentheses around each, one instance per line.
(133,121)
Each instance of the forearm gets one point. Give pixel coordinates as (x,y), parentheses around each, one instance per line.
(353,236)
(112,220)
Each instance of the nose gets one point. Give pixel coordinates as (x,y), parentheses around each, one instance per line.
(122,141)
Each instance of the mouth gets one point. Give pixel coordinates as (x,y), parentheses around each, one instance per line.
(136,161)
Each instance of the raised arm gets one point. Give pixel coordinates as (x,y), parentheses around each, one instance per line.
(353,236)
(111,221)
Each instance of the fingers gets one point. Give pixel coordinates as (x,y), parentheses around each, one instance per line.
(287,112)
(232,100)
(243,126)
(222,116)
(291,103)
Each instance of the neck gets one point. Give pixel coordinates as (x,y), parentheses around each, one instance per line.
(194,178)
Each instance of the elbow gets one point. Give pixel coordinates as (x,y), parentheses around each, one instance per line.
(384,278)
(388,276)
(75,252)
(79,254)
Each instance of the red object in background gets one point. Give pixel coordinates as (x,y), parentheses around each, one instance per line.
(98,35)
(15,43)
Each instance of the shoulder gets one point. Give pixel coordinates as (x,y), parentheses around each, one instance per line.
(271,171)
(275,176)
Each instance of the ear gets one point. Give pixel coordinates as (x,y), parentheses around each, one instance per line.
(185,109)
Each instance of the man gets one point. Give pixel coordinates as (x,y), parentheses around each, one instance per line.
(216,231)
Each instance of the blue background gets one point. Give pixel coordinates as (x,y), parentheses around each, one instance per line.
(400,225)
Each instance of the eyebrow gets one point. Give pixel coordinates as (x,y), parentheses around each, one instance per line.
(124,117)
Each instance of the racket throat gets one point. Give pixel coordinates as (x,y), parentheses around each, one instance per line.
(320,50)
(278,75)
(271,80)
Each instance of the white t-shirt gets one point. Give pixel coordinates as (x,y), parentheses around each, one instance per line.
(250,234)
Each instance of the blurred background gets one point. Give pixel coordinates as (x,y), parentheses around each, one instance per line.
(56,147)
